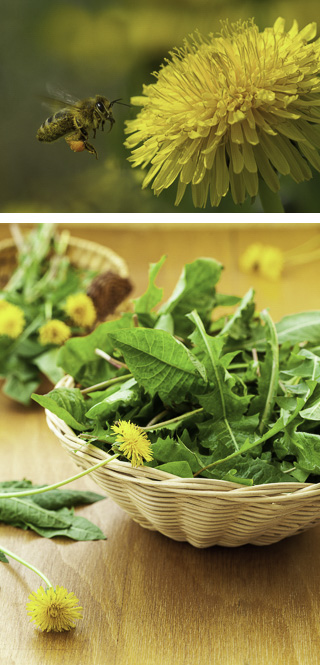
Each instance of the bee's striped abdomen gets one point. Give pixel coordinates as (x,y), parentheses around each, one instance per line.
(56,126)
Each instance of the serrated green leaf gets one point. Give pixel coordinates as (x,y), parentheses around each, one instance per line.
(160,363)
(153,294)
(78,358)
(64,402)
(195,290)
(181,469)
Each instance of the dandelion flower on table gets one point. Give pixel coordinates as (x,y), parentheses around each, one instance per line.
(81,309)
(12,321)
(266,260)
(54,332)
(54,609)
(228,110)
(134,443)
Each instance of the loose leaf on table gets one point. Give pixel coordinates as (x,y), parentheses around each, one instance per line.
(48,513)
(160,363)
(79,529)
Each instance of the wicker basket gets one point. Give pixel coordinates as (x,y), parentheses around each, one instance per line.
(201,511)
(82,253)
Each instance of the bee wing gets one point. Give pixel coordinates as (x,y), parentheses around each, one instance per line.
(58,99)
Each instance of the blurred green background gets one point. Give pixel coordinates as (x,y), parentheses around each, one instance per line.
(107,47)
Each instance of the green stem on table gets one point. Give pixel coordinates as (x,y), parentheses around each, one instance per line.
(106,384)
(270,201)
(25,563)
(172,420)
(47,488)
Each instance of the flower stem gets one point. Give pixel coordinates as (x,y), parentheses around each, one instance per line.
(106,384)
(47,488)
(25,563)
(170,422)
(270,201)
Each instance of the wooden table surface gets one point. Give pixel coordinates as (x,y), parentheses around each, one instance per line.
(149,600)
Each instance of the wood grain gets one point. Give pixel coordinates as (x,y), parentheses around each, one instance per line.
(149,600)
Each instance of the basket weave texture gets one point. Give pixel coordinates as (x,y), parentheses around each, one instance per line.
(201,511)
(82,253)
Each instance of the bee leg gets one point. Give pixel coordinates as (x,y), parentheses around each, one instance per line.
(90,149)
(102,125)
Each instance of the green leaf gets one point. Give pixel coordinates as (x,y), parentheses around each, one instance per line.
(222,402)
(306,448)
(3,557)
(66,403)
(25,511)
(20,390)
(238,326)
(153,295)
(301,327)
(160,363)
(78,358)
(194,290)
(269,375)
(169,450)
(47,364)
(181,469)
(80,529)
(124,397)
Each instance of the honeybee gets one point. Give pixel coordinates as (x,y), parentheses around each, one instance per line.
(75,119)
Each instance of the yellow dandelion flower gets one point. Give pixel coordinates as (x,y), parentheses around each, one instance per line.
(266,260)
(135,444)
(54,332)
(229,110)
(4,304)
(81,309)
(54,609)
(12,321)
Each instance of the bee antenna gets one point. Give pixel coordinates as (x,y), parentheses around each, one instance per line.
(118,101)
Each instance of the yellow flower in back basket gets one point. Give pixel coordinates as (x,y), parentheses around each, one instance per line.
(81,309)
(12,321)
(266,260)
(135,444)
(54,332)
(54,609)
(230,111)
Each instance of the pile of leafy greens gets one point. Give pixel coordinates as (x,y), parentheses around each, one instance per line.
(225,396)
(44,277)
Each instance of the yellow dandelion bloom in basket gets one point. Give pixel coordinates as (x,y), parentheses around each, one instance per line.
(54,609)
(81,309)
(54,332)
(12,321)
(134,443)
(231,111)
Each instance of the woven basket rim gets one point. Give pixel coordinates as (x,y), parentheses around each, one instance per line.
(146,476)
(80,243)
